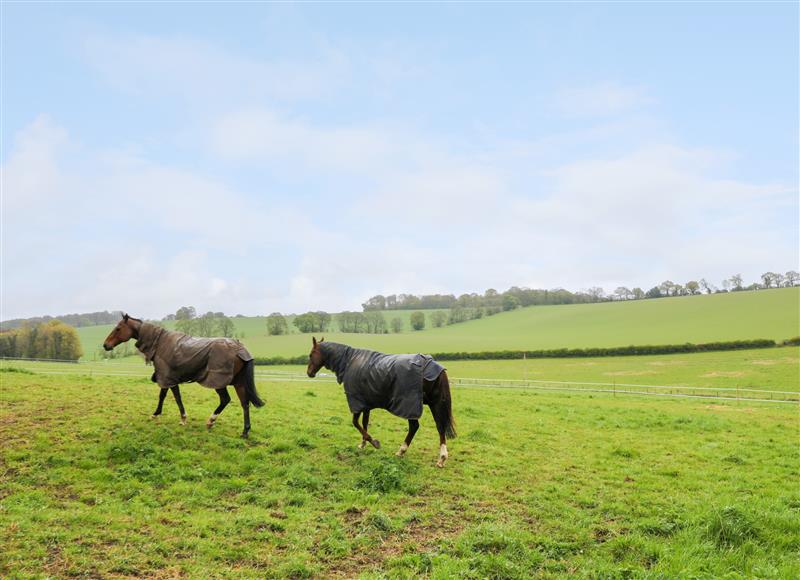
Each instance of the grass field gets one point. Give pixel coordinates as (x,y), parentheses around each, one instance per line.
(771,314)
(775,369)
(537,485)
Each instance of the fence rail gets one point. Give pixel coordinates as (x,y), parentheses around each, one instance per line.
(111,369)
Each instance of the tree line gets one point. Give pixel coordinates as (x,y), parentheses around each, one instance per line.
(48,340)
(492,301)
(76,320)
(208,324)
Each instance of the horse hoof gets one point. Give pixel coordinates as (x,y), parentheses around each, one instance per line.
(441,461)
(153,417)
(245,435)
(183,420)
(400,453)
(209,424)
(376,444)
(362,444)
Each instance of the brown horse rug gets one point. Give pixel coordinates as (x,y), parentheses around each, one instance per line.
(373,380)
(179,358)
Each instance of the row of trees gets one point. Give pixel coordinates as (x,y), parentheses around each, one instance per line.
(208,324)
(48,340)
(77,320)
(493,301)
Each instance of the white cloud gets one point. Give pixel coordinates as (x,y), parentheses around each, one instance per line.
(112,229)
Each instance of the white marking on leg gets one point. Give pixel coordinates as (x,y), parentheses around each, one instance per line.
(211,420)
(442,455)
(183,419)
(402,450)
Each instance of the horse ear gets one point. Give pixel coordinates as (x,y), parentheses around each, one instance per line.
(322,339)
(125,317)
(314,340)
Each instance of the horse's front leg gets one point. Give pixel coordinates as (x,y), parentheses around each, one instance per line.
(413,425)
(365,436)
(224,399)
(176,392)
(162,394)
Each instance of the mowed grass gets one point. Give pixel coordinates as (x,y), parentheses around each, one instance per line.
(537,485)
(773,314)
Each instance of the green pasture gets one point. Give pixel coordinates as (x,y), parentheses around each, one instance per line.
(775,369)
(538,484)
(773,314)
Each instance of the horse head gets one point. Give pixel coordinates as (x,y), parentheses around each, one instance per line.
(315,358)
(125,329)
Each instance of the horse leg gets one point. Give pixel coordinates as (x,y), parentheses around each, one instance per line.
(162,394)
(437,396)
(176,392)
(224,399)
(413,425)
(440,427)
(365,437)
(365,422)
(242,393)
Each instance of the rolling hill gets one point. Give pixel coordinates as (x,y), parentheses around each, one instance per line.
(771,314)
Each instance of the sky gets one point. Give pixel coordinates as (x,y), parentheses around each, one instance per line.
(255,157)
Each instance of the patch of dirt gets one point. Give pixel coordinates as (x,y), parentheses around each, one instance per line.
(730,408)
(766,362)
(713,374)
(630,373)
(424,536)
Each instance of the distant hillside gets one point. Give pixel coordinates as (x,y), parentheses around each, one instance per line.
(77,320)
(771,314)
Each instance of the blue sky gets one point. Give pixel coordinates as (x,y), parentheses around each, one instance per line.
(260,157)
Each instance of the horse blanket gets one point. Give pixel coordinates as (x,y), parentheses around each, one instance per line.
(373,380)
(180,358)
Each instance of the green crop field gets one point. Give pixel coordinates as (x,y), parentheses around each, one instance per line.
(537,484)
(771,314)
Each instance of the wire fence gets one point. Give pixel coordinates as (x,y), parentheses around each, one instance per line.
(137,370)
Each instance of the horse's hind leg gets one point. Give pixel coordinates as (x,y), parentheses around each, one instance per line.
(162,394)
(224,399)
(176,392)
(242,393)
(413,425)
(439,417)
(365,436)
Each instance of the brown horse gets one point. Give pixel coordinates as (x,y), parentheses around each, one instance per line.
(178,358)
(401,384)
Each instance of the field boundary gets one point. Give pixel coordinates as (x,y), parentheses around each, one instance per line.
(613,389)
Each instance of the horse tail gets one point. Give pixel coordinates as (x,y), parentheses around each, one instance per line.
(250,384)
(446,406)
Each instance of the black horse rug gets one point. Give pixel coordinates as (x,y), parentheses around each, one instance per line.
(373,380)
(180,358)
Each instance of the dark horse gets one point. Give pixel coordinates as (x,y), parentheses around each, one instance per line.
(401,384)
(178,358)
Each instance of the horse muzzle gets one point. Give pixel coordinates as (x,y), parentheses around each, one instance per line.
(107,347)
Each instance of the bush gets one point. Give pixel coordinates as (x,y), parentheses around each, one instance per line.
(418,320)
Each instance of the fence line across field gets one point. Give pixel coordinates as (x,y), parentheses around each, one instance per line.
(50,367)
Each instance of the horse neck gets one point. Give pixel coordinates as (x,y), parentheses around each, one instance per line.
(136,327)
(336,359)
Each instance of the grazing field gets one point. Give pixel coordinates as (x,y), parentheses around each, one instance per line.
(773,314)
(537,484)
